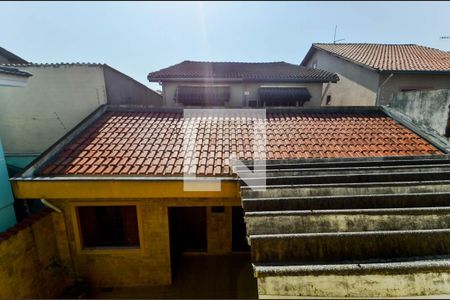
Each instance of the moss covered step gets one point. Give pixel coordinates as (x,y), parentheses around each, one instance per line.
(341,246)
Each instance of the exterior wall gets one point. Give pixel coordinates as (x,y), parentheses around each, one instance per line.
(237,97)
(357,86)
(401,81)
(219,231)
(121,89)
(28,123)
(7,214)
(25,253)
(427,109)
(150,265)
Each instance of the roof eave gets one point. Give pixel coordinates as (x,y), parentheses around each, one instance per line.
(334,79)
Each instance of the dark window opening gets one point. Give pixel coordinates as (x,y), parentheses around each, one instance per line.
(218,209)
(202,95)
(108,226)
(283,96)
(328,101)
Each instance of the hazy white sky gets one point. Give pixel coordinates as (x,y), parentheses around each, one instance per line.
(140,37)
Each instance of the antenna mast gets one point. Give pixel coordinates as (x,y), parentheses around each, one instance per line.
(334,39)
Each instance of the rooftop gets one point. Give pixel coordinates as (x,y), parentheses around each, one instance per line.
(243,71)
(11,57)
(388,57)
(13,71)
(150,142)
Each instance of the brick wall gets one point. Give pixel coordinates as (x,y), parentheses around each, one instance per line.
(25,251)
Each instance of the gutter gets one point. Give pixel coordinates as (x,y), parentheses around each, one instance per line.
(377,102)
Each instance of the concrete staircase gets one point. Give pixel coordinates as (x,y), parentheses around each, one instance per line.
(366,227)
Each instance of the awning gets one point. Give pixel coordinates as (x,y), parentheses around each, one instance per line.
(202,95)
(283,96)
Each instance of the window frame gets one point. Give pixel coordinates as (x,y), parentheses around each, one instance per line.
(105,250)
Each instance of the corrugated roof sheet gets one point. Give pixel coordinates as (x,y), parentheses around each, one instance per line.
(391,57)
(151,143)
(269,71)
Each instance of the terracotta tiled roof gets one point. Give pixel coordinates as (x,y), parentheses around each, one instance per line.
(269,71)
(150,143)
(390,57)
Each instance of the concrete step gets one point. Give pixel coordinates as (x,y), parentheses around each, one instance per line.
(349,162)
(392,176)
(341,246)
(303,190)
(380,278)
(433,199)
(346,220)
(345,170)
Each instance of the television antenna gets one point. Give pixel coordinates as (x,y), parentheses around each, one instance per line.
(339,40)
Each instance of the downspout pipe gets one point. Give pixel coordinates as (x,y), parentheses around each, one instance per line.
(377,103)
(48,204)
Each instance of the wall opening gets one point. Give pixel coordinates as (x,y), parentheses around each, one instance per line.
(239,233)
(187,230)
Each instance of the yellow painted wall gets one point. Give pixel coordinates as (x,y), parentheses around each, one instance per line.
(149,265)
(24,257)
(219,231)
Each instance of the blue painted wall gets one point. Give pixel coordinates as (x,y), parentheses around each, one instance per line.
(7,214)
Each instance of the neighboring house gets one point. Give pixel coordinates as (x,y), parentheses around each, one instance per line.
(125,216)
(9,77)
(370,73)
(7,57)
(241,84)
(58,97)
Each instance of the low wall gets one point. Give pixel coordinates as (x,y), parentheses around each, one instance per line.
(428,109)
(25,252)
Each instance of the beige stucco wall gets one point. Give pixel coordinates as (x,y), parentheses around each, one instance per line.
(122,90)
(357,86)
(28,123)
(401,81)
(237,96)
(152,264)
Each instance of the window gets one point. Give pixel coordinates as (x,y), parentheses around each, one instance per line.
(202,95)
(328,100)
(108,226)
(314,65)
(283,96)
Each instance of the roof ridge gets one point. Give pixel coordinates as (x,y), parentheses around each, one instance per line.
(31,64)
(233,62)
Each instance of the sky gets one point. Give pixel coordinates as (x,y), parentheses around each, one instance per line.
(140,37)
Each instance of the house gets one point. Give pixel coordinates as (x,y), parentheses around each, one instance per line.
(124,216)
(370,73)
(241,84)
(7,57)
(9,77)
(57,98)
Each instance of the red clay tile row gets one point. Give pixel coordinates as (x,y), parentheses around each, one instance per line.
(151,143)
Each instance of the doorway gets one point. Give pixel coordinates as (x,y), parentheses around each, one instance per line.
(238,231)
(187,230)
